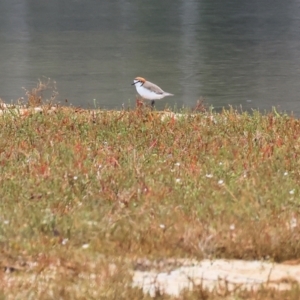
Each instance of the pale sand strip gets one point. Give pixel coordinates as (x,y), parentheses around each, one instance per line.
(218,275)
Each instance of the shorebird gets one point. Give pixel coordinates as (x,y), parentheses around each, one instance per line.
(149,90)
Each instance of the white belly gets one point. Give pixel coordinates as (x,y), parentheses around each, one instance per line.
(147,94)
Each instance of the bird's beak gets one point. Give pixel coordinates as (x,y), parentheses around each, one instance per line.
(134,83)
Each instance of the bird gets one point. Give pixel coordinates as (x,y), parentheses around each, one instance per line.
(149,90)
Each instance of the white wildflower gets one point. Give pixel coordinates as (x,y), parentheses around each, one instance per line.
(64,241)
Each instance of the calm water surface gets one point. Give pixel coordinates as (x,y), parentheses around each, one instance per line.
(237,52)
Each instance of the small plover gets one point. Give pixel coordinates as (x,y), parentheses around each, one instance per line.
(149,90)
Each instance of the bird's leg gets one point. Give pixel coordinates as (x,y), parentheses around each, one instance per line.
(152,104)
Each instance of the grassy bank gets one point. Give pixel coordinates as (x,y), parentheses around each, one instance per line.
(84,194)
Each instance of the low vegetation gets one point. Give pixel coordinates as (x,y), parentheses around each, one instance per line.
(85,194)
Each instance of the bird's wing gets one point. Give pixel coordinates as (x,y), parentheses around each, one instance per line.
(153,87)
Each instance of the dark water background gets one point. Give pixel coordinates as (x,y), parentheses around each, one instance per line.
(233,52)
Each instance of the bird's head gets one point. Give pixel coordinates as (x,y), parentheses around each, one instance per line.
(140,80)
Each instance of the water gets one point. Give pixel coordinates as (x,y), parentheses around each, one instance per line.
(234,52)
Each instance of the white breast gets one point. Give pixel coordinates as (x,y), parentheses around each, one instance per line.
(148,94)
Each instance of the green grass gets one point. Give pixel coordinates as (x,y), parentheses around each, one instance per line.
(83,190)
